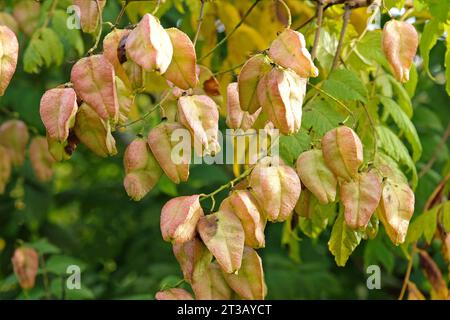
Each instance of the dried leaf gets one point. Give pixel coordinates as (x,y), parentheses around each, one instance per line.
(439,289)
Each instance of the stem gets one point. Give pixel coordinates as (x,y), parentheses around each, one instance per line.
(408,273)
(436,152)
(200,21)
(346,19)
(122,11)
(158,3)
(318,30)
(288,11)
(228,70)
(232,31)
(100,31)
(340,103)
(45,278)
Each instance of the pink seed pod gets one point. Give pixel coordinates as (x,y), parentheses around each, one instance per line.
(281,94)
(182,69)
(173,294)
(8,57)
(5,168)
(94,81)
(360,197)
(94,133)
(25,263)
(162,142)
(343,152)
(90,12)
(396,209)
(200,115)
(41,160)
(251,73)
(316,175)
(249,283)
(27,15)
(14,137)
(8,20)
(211,285)
(179,218)
(276,187)
(142,171)
(236,118)
(289,51)
(111,51)
(126,99)
(224,236)
(400,41)
(149,45)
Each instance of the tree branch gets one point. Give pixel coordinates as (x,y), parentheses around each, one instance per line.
(346,18)
(200,21)
(319,13)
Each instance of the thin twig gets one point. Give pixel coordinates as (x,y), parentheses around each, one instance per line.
(288,11)
(318,30)
(436,152)
(229,70)
(346,18)
(200,21)
(408,272)
(232,31)
(100,31)
(158,3)
(122,11)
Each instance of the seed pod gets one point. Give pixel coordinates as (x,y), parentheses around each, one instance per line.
(316,175)
(182,70)
(400,42)
(8,57)
(90,12)
(281,94)
(342,151)
(289,51)
(236,118)
(149,45)
(161,140)
(439,290)
(223,235)
(200,115)
(396,209)
(126,100)
(25,263)
(360,198)
(211,285)
(252,71)
(193,257)
(141,169)
(249,282)
(174,294)
(111,47)
(5,168)
(179,218)
(243,205)
(27,15)
(41,160)
(8,20)
(276,187)
(14,137)
(94,81)
(135,74)
(94,133)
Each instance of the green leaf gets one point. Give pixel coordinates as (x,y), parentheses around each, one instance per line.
(343,241)
(377,252)
(404,124)
(166,186)
(321,116)
(290,239)
(445,216)
(292,146)
(58,264)
(343,84)
(44,247)
(321,215)
(430,223)
(402,96)
(447,61)
(431,32)
(44,49)
(411,85)
(70,37)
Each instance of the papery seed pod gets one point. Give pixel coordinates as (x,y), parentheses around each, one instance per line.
(111,44)
(173,294)
(249,282)
(236,118)
(135,74)
(14,137)
(252,71)
(281,94)
(400,42)
(41,159)
(360,197)
(8,20)
(316,175)
(163,140)
(62,151)
(58,109)
(244,206)
(90,12)
(276,187)
(5,168)
(25,262)
(8,57)
(289,51)
(27,15)
(224,236)
(439,290)
(149,45)
(396,209)
(126,100)
(142,171)
(200,115)
(182,70)
(94,81)
(342,151)
(211,284)
(179,218)
(93,132)
(193,257)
